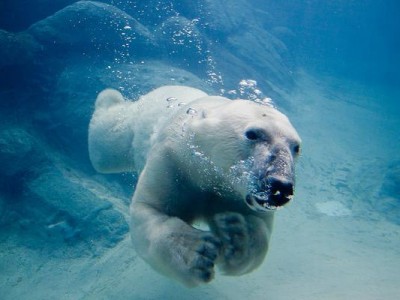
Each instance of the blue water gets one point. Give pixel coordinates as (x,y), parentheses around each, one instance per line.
(331,66)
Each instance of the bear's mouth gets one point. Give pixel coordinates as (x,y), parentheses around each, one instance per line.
(270,193)
(266,201)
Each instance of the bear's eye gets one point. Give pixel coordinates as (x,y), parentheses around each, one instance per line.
(252,134)
(296,149)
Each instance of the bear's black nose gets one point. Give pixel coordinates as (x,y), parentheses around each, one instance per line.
(281,190)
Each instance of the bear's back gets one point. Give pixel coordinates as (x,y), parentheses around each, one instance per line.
(153,112)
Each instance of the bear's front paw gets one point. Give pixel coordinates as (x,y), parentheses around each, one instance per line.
(232,229)
(194,256)
(205,254)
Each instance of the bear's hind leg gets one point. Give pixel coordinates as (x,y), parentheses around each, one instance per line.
(111,132)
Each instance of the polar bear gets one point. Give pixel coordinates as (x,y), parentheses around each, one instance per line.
(226,163)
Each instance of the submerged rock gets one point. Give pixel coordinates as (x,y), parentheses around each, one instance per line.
(218,17)
(17,49)
(183,42)
(265,53)
(151,13)
(87,26)
(17,151)
(62,208)
(46,203)
(17,15)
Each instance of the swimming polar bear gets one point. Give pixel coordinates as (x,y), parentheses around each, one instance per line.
(227,163)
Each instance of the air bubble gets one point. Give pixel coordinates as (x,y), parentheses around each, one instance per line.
(171,99)
(248,83)
(191,111)
(197,153)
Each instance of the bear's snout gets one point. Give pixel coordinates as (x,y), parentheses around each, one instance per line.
(280,190)
(272,193)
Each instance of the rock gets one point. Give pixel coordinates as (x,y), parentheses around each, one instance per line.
(151,13)
(283,33)
(264,52)
(218,17)
(59,206)
(183,42)
(17,151)
(17,49)
(242,32)
(47,202)
(17,15)
(89,26)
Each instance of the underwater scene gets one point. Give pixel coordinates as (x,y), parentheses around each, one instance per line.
(131,169)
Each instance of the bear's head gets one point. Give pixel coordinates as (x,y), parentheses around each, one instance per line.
(252,146)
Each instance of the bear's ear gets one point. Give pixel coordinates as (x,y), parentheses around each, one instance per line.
(108,98)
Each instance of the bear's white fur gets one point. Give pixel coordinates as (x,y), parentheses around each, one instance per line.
(227,163)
